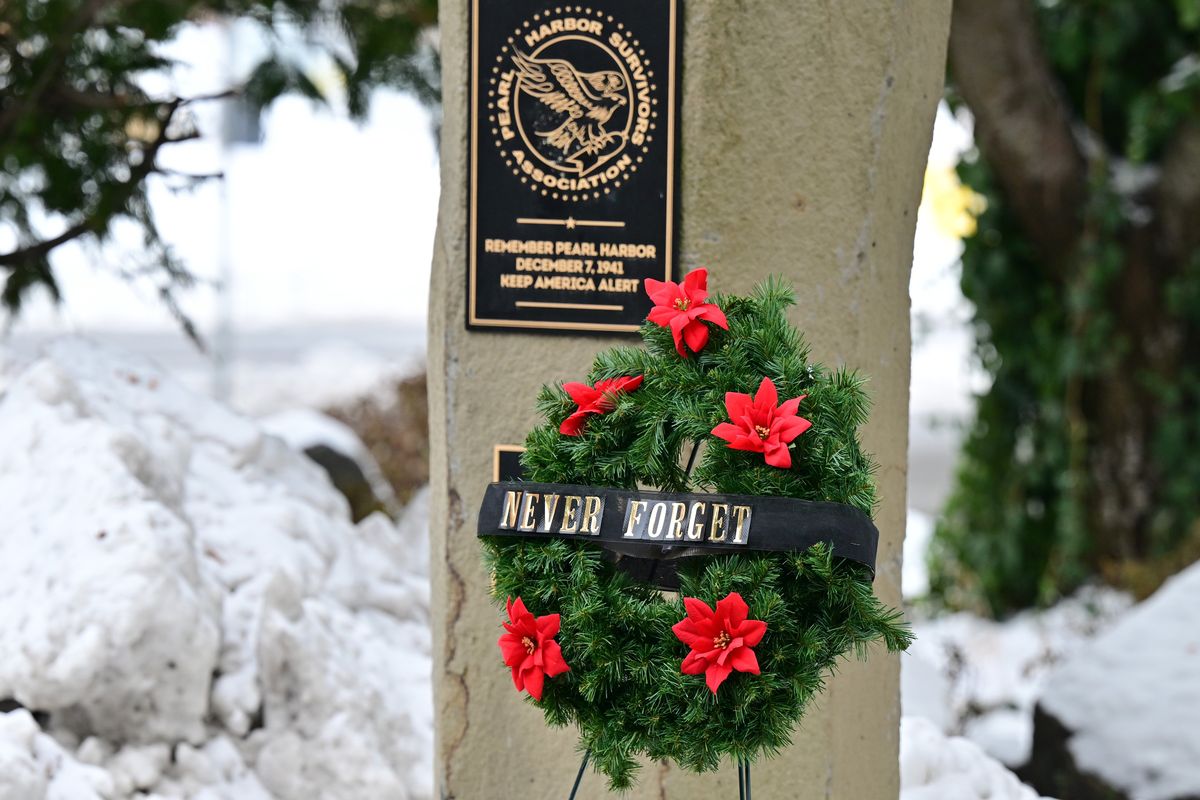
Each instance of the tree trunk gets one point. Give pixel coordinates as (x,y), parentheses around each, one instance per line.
(1122,411)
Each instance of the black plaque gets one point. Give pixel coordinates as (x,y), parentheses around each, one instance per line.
(573,148)
(506,463)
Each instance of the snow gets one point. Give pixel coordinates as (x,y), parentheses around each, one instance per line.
(1183,74)
(327,373)
(1132,697)
(34,766)
(914,578)
(1133,183)
(980,678)
(273,369)
(303,428)
(926,691)
(936,767)
(186,599)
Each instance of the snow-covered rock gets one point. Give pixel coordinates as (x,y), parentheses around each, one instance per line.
(185,597)
(934,766)
(307,429)
(1128,705)
(980,678)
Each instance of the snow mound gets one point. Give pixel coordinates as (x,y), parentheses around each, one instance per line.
(981,678)
(936,767)
(1130,701)
(188,602)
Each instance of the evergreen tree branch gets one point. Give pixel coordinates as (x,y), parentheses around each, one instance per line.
(38,251)
(11,112)
(118,197)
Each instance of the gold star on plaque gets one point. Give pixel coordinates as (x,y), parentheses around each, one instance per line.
(570,223)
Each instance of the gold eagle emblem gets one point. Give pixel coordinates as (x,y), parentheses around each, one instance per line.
(586,101)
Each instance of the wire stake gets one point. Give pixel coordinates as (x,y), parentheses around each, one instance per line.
(579,775)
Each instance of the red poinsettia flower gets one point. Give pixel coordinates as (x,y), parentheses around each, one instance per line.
(761,427)
(720,640)
(682,309)
(529,648)
(598,399)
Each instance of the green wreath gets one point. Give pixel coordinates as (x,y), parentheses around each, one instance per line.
(622,639)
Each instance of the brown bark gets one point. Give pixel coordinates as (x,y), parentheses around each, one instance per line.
(1178,196)
(1123,409)
(1022,123)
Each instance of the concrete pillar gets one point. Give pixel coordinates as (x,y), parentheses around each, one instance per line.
(805,129)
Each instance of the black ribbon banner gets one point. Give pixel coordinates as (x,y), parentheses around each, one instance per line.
(645,532)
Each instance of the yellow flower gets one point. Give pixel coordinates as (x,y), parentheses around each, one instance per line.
(954,207)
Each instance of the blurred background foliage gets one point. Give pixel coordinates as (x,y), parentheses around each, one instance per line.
(80,137)
(1083,460)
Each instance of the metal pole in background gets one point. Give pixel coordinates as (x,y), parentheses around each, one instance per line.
(239,126)
(222,340)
